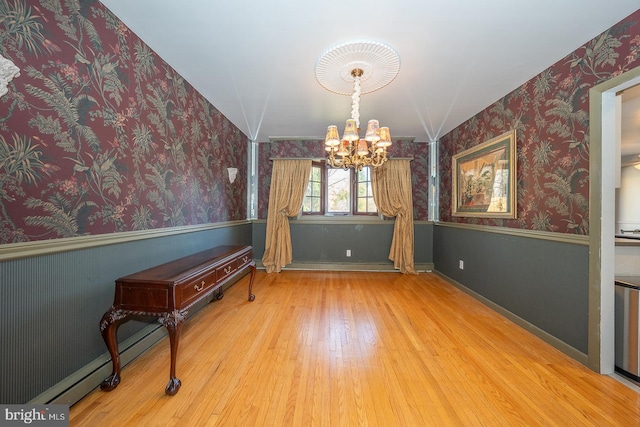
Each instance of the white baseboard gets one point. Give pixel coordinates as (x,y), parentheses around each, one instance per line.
(353,266)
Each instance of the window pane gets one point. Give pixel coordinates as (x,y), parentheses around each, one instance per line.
(338,191)
(362,189)
(365,202)
(313,194)
(316,174)
(316,189)
(371,205)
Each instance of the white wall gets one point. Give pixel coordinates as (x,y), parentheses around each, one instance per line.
(628,200)
(627,255)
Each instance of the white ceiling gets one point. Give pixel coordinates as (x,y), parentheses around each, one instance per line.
(254,60)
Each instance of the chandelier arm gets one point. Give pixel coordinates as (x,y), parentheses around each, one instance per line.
(335,163)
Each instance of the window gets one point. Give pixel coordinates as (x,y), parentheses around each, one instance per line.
(364,193)
(338,191)
(313,197)
(334,191)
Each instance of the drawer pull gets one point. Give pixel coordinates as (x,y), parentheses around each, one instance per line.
(245,258)
(227,270)
(199,288)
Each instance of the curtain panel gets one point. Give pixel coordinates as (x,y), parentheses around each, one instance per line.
(289,179)
(391,186)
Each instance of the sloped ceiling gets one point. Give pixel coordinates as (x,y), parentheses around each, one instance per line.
(254,60)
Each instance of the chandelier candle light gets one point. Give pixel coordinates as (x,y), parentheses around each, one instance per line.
(357,61)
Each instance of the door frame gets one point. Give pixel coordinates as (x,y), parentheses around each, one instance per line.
(603,119)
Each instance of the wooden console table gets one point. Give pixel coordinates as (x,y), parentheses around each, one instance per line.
(168,291)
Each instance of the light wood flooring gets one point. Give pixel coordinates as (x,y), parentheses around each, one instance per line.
(357,349)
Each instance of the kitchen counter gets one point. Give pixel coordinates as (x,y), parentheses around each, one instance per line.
(629,281)
(627,240)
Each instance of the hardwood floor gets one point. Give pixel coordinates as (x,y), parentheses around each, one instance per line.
(357,349)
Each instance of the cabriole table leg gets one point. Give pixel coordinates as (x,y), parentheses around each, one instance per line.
(252,266)
(173,322)
(108,327)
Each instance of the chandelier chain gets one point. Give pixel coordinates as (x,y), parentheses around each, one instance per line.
(355,101)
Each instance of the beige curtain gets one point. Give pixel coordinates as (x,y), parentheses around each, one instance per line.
(288,183)
(391,185)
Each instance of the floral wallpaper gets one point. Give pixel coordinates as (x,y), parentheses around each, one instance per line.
(551,116)
(314,149)
(99,135)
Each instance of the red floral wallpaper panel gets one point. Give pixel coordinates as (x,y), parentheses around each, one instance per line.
(99,135)
(551,116)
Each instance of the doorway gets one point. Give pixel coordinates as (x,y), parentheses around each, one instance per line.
(603,164)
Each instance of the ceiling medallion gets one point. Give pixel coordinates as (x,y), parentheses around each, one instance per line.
(379,64)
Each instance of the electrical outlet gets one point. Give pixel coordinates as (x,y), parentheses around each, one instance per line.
(348,252)
(461,265)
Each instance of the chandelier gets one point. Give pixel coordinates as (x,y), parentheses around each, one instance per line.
(370,66)
(351,151)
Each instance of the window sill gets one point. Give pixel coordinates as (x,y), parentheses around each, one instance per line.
(340,219)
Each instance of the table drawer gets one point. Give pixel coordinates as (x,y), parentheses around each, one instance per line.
(189,292)
(245,259)
(142,298)
(226,270)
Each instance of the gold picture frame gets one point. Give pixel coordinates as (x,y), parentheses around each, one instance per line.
(484,179)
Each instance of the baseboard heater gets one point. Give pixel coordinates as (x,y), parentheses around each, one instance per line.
(85,380)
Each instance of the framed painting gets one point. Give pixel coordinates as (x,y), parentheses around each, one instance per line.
(484,179)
